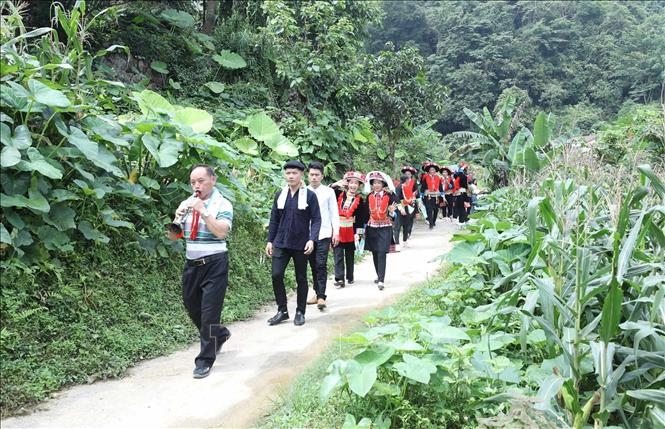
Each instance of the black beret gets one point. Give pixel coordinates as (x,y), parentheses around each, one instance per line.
(294,163)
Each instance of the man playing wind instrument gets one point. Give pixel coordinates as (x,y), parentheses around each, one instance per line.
(206,218)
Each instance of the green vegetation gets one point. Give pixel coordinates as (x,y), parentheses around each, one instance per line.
(92,313)
(550,315)
(107,104)
(581,55)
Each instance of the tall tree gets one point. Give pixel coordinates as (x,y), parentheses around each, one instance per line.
(391,88)
(209,16)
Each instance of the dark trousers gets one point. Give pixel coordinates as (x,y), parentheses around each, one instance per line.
(343,254)
(403,223)
(432,210)
(379,259)
(412,219)
(280,260)
(203,291)
(449,205)
(461,211)
(318,262)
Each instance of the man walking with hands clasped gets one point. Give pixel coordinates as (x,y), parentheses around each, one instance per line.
(329,233)
(295,222)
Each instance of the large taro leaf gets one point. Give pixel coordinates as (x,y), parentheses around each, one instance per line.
(46,167)
(247,145)
(54,239)
(282,146)
(22,138)
(443,333)
(94,152)
(34,201)
(229,60)
(360,377)
(159,67)
(15,97)
(262,127)
(153,104)
(90,233)
(9,157)
(61,217)
(111,218)
(415,368)
(106,129)
(41,93)
(334,379)
(215,87)
(165,152)
(198,120)
(178,18)
(377,355)
(19,139)
(465,253)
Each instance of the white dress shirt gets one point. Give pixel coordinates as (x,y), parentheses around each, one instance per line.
(329,211)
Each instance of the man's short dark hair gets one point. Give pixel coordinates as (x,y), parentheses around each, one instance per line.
(316,165)
(208,169)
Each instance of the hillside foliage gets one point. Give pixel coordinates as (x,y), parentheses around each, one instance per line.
(107,104)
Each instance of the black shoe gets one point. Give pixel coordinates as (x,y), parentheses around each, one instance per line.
(376,280)
(278,318)
(339,283)
(221,341)
(201,371)
(299,320)
(350,282)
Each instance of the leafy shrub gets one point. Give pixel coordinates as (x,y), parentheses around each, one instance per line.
(552,309)
(92,313)
(637,135)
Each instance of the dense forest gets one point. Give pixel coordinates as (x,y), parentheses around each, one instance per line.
(106,104)
(582,60)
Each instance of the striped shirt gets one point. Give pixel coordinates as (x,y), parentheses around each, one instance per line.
(207,243)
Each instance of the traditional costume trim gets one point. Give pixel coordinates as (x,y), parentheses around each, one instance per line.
(378,210)
(302,197)
(433,182)
(347,216)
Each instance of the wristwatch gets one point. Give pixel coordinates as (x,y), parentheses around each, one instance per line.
(205,213)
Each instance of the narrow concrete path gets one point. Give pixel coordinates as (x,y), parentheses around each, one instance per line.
(254,367)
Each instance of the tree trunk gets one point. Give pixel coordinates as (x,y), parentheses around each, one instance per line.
(209,16)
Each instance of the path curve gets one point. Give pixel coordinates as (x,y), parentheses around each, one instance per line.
(253,369)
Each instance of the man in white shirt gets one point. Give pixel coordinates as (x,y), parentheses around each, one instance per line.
(329,233)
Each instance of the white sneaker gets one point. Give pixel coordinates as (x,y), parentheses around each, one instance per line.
(380,285)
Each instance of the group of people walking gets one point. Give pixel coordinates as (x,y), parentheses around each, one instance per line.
(358,212)
(448,190)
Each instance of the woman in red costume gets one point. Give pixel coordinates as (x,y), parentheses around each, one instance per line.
(381,204)
(352,217)
(431,188)
(406,193)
